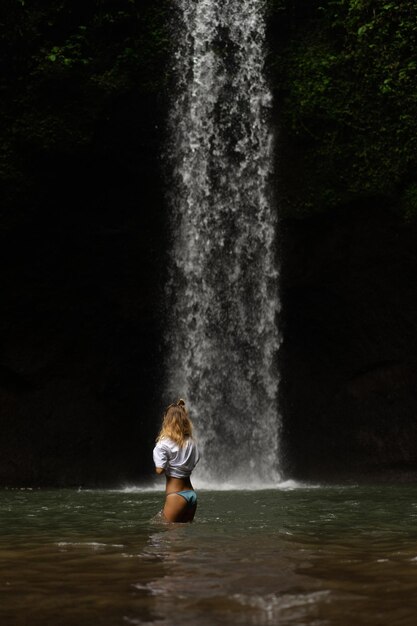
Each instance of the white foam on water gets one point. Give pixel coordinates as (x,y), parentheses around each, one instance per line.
(207,485)
(96,545)
(151,488)
(271,608)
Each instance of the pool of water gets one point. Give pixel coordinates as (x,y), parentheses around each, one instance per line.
(313,556)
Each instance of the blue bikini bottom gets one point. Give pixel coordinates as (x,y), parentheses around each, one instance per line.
(188,495)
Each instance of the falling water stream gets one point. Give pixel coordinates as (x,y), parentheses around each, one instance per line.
(223,294)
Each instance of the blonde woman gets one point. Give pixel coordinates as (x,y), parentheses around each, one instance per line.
(175,455)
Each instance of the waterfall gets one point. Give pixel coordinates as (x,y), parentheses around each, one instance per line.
(222,294)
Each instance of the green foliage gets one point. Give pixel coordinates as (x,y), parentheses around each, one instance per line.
(344,72)
(64,65)
(347,87)
(73,51)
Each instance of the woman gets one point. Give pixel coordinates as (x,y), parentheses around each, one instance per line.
(176,454)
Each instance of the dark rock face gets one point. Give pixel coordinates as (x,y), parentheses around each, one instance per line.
(83,244)
(81,320)
(349,357)
(82,279)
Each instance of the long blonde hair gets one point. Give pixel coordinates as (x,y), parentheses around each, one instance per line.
(176,424)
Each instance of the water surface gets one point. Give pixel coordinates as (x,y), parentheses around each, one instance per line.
(311,556)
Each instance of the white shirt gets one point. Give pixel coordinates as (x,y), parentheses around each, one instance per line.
(177,461)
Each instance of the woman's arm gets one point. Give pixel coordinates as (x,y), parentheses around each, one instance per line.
(160,457)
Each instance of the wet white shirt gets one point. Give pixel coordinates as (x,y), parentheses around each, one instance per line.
(176,461)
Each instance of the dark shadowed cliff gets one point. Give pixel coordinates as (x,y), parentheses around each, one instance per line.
(82,241)
(84,236)
(349,357)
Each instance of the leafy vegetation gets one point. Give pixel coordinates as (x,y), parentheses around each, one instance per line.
(344,72)
(347,92)
(65,67)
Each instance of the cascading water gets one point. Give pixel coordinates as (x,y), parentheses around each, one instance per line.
(223,294)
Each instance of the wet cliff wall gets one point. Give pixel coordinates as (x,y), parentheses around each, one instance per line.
(349,357)
(84,239)
(345,178)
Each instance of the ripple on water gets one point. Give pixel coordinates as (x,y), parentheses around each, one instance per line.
(96,545)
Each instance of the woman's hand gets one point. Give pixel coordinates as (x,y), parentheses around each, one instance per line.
(159,470)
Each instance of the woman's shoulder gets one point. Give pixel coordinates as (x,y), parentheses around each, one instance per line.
(166,442)
(169,444)
(191,442)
